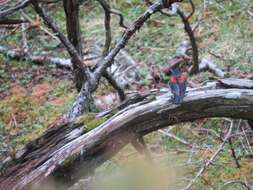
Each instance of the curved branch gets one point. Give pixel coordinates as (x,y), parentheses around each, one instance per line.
(108,40)
(47,154)
(107,25)
(193,10)
(107,61)
(121,18)
(189,31)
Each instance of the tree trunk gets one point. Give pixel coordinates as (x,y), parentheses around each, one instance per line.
(71,8)
(84,103)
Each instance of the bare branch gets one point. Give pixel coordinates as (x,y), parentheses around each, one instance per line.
(225,186)
(50,23)
(115,85)
(20,5)
(214,155)
(189,31)
(71,9)
(12,21)
(236,83)
(107,25)
(108,39)
(233,153)
(20,54)
(210,66)
(193,10)
(107,61)
(177,138)
(121,18)
(41,27)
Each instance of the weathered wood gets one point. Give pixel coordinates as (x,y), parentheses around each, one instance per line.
(207,65)
(51,152)
(237,83)
(20,54)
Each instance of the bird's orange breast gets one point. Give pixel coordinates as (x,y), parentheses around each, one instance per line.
(173,79)
(181,78)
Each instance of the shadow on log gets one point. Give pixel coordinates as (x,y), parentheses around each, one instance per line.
(70,151)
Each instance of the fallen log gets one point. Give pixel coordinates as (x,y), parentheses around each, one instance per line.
(69,151)
(124,69)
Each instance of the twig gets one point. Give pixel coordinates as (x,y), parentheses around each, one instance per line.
(107,61)
(225,186)
(121,18)
(217,56)
(108,11)
(20,5)
(193,10)
(214,155)
(7,22)
(233,153)
(210,131)
(177,138)
(41,27)
(247,140)
(9,34)
(191,154)
(250,13)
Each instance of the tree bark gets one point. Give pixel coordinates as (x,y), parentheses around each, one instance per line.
(71,8)
(51,153)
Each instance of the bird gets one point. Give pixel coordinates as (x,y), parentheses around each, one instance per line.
(176,70)
(178,84)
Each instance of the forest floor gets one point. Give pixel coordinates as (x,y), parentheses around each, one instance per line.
(33,96)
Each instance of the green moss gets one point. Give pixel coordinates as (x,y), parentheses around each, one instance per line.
(90,121)
(68,163)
